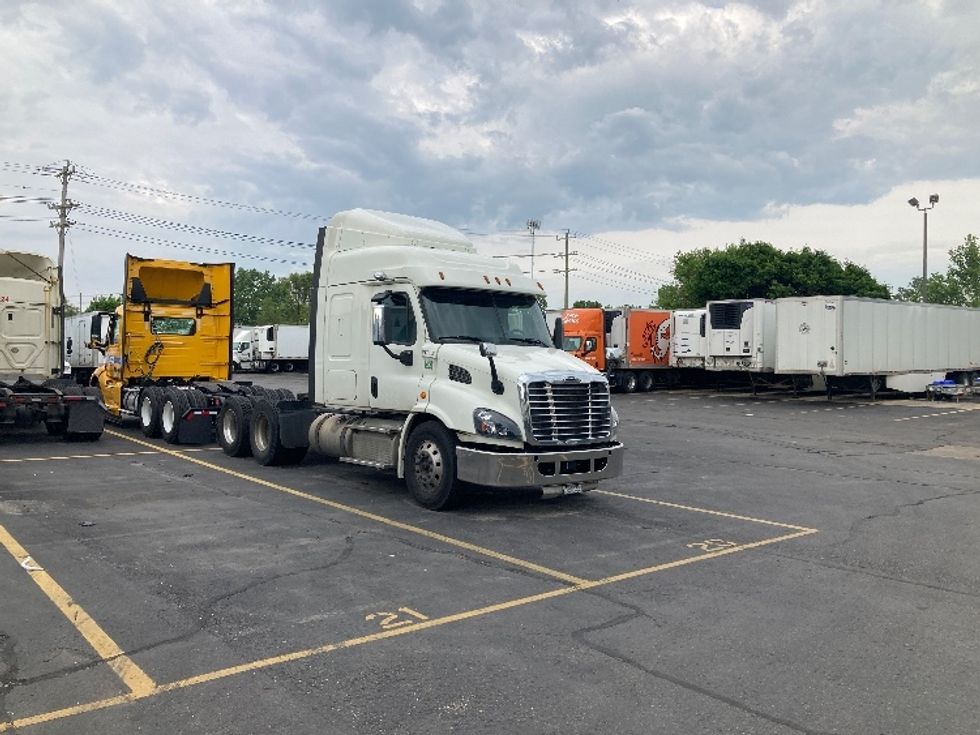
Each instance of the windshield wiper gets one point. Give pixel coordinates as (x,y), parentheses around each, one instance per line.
(460,338)
(528,341)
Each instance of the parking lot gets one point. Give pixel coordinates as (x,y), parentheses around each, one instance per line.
(764,565)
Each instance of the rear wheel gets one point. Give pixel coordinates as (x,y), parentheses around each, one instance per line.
(645,382)
(233,425)
(265,440)
(273,366)
(430,466)
(175,405)
(149,410)
(628,381)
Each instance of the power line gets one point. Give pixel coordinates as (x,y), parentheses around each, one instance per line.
(150,240)
(626,272)
(116,214)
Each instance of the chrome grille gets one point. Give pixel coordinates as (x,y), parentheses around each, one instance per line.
(560,412)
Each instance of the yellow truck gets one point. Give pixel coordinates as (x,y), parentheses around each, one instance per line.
(168,349)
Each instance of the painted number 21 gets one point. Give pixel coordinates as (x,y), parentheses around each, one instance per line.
(389,620)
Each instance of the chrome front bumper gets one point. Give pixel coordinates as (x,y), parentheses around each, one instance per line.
(538,469)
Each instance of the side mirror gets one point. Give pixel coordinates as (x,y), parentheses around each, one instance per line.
(406,358)
(95,332)
(589,345)
(488,349)
(378,332)
(558,335)
(68,345)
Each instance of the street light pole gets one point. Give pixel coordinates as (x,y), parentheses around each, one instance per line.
(913,202)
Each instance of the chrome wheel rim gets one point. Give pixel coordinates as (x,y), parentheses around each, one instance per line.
(229,428)
(146,411)
(261,433)
(168,417)
(429,467)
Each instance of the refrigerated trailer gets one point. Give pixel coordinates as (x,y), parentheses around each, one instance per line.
(741,335)
(273,347)
(848,337)
(689,338)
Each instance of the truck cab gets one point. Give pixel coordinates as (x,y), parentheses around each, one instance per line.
(436,362)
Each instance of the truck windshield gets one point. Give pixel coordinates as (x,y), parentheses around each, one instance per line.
(462,315)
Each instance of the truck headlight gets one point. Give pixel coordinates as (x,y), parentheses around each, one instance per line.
(493,423)
(613,423)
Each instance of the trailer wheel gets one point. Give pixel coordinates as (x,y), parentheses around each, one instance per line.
(149,410)
(628,381)
(233,424)
(273,366)
(264,437)
(175,405)
(289,367)
(430,466)
(645,382)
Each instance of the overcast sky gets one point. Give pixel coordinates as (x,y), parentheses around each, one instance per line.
(645,128)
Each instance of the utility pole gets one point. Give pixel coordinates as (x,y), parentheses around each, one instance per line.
(566,269)
(62,225)
(533,225)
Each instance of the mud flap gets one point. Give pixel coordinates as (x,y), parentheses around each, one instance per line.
(196,427)
(295,418)
(85,417)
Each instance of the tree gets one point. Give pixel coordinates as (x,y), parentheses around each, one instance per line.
(287,301)
(747,270)
(959,285)
(587,304)
(106,302)
(251,287)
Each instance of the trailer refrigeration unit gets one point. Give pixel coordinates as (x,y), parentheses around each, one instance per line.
(168,349)
(273,348)
(855,342)
(741,335)
(434,362)
(631,346)
(688,340)
(32,389)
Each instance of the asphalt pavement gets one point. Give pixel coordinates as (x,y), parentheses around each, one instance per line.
(765,564)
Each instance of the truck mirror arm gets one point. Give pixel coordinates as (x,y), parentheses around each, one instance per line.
(405,357)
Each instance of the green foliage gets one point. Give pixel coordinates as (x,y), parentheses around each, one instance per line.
(959,285)
(287,301)
(251,287)
(69,309)
(749,270)
(587,304)
(542,301)
(107,302)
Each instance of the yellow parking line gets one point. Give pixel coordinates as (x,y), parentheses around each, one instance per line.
(264,663)
(131,674)
(708,511)
(482,550)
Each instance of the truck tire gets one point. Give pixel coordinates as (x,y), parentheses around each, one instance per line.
(175,404)
(151,400)
(232,426)
(264,437)
(289,367)
(627,379)
(645,382)
(430,466)
(273,366)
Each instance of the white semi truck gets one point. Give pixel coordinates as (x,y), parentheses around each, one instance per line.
(434,362)
(32,387)
(79,354)
(272,348)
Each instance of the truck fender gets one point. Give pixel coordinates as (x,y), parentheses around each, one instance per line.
(411,421)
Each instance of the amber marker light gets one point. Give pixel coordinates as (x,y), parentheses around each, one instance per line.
(423,395)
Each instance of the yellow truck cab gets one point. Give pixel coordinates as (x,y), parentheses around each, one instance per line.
(168,351)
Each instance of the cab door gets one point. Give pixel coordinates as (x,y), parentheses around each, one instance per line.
(395,368)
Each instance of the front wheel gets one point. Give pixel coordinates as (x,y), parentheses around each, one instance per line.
(430,466)
(628,381)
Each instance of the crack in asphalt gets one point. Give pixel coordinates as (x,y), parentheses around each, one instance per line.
(581,635)
(8,674)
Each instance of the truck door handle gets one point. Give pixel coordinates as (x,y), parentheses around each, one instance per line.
(374,387)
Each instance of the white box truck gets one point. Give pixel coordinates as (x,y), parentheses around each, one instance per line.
(32,387)
(435,362)
(82,358)
(741,335)
(272,348)
(859,338)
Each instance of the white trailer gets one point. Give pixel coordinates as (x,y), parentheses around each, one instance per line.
(847,336)
(741,335)
(689,340)
(273,347)
(78,335)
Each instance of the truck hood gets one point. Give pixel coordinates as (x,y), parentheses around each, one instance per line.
(512,361)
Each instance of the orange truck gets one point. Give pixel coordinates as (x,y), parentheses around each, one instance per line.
(631,346)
